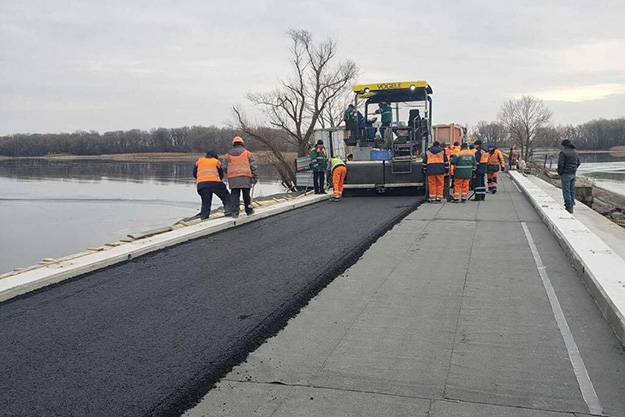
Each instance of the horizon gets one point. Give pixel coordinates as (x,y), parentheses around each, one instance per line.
(144,65)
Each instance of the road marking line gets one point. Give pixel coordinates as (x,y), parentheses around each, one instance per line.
(581,373)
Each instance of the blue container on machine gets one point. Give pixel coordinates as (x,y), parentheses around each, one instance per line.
(380,155)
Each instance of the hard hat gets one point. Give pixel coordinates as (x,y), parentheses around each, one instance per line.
(238,139)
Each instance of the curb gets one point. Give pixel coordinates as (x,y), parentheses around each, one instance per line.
(28,281)
(595,262)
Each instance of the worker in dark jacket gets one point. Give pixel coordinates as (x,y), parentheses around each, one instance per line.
(209,176)
(319,165)
(242,173)
(568,161)
(435,165)
(479,183)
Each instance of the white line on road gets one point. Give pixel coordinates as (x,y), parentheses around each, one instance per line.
(583,379)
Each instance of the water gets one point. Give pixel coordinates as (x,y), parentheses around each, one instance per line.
(56,208)
(603,169)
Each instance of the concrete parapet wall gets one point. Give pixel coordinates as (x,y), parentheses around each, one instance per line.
(602,270)
(31,280)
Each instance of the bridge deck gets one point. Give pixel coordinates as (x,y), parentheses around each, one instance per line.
(448,314)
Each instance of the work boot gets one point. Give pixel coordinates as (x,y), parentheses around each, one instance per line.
(464,200)
(494,191)
(569,209)
(235,214)
(249,211)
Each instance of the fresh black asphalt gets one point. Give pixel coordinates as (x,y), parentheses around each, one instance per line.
(151,336)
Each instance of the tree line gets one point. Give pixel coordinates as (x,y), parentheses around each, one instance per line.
(526,122)
(181,139)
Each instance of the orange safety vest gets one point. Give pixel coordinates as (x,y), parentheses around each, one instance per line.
(473,151)
(239,166)
(207,170)
(452,151)
(496,158)
(435,158)
(484,156)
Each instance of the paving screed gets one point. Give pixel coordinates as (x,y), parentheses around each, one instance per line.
(151,336)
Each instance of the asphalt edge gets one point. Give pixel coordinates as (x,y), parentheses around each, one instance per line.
(28,281)
(274,323)
(597,266)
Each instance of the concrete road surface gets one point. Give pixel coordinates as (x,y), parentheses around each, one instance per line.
(446,315)
(150,337)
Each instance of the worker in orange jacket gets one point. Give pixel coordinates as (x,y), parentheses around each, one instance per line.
(242,173)
(209,176)
(479,183)
(495,164)
(435,164)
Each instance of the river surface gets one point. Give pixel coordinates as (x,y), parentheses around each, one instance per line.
(603,169)
(56,208)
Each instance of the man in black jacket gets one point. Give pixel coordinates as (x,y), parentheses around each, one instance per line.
(568,161)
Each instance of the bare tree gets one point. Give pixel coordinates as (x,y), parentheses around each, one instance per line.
(313,89)
(274,140)
(490,132)
(523,118)
(333,114)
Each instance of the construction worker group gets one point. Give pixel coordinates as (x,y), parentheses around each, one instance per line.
(239,167)
(319,165)
(464,166)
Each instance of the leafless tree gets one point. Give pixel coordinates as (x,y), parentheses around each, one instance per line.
(316,87)
(332,114)
(490,132)
(523,118)
(273,139)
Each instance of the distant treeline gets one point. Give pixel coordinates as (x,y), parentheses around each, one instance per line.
(181,139)
(600,134)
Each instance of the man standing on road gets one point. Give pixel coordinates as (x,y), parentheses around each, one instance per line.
(339,171)
(568,161)
(209,179)
(495,164)
(479,185)
(242,173)
(435,164)
(319,164)
(464,161)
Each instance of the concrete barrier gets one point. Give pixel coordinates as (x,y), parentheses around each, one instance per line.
(30,280)
(602,270)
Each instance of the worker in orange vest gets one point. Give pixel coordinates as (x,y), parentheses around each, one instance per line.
(209,176)
(242,173)
(455,148)
(435,164)
(339,172)
(495,164)
(479,183)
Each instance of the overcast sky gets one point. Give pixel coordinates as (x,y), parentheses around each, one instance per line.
(107,65)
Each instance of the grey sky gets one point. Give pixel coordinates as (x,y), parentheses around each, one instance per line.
(106,65)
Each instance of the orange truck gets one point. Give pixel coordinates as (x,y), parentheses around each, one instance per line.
(449,133)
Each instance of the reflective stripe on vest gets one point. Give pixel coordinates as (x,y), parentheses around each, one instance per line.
(207,170)
(239,166)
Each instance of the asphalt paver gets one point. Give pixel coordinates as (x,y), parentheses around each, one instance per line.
(149,337)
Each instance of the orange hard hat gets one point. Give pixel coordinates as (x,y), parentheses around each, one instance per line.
(238,139)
